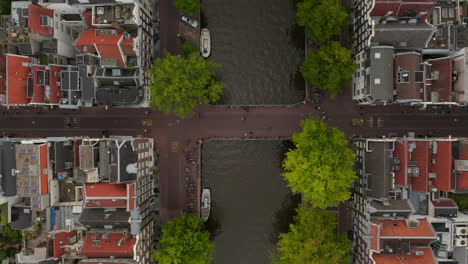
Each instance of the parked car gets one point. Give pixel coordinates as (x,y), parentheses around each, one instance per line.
(190,21)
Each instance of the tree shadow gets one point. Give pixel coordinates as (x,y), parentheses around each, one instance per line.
(296,36)
(284,216)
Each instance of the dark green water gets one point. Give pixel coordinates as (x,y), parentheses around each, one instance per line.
(251,203)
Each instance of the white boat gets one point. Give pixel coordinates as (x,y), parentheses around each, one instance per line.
(205,204)
(205,43)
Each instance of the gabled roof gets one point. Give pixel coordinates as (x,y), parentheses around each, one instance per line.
(54,78)
(421,155)
(442,166)
(17,76)
(106,45)
(59,241)
(100,245)
(443,83)
(110,195)
(36,13)
(401,152)
(88,18)
(38,86)
(399,229)
(462,176)
(407,63)
(417,256)
(105,195)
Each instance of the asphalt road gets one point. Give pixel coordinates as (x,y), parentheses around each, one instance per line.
(224,122)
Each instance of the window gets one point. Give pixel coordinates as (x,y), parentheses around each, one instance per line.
(32,157)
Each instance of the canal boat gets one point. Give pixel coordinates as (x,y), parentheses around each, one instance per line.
(205,204)
(205,43)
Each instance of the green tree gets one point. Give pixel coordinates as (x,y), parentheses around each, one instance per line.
(5,7)
(321,166)
(189,48)
(184,242)
(461,199)
(321,18)
(180,83)
(312,239)
(7,252)
(188,6)
(330,68)
(9,236)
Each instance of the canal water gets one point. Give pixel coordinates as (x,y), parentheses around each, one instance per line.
(260,49)
(251,203)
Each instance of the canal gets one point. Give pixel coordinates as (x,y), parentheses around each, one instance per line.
(251,203)
(260,49)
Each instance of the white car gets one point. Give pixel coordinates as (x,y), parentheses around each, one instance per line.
(190,21)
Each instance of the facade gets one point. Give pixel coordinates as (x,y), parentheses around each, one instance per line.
(401,205)
(95,197)
(59,50)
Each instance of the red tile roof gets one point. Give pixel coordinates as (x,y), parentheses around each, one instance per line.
(2,74)
(443,84)
(107,46)
(399,228)
(127,46)
(17,76)
(462,177)
(382,7)
(38,90)
(106,195)
(375,233)
(443,166)
(34,21)
(44,165)
(401,152)
(410,62)
(107,247)
(444,203)
(400,8)
(131,196)
(105,190)
(411,6)
(427,257)
(54,77)
(421,155)
(88,18)
(60,240)
(462,181)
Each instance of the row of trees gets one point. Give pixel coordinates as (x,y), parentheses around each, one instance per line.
(312,239)
(320,168)
(331,66)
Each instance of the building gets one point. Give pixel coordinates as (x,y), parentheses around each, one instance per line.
(401,205)
(95,197)
(60,53)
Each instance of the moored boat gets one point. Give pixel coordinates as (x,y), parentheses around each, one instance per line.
(205,204)
(205,43)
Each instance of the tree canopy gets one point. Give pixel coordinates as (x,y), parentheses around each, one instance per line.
(183,241)
(330,68)
(321,18)
(321,166)
(188,6)
(180,83)
(312,239)
(9,236)
(188,48)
